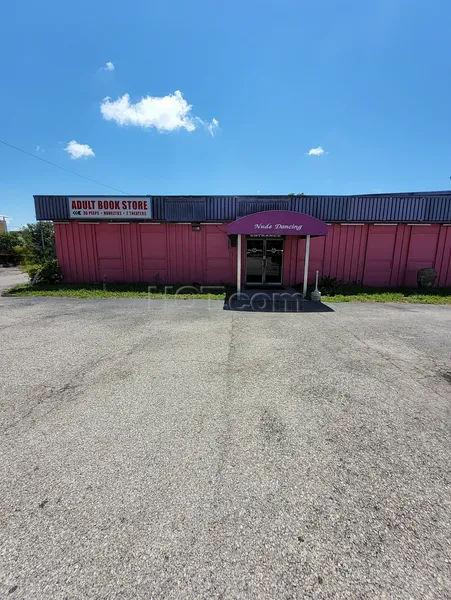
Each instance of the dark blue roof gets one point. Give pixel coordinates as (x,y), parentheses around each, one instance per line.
(398,207)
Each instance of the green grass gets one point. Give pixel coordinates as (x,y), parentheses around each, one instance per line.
(403,297)
(358,293)
(343,293)
(87,291)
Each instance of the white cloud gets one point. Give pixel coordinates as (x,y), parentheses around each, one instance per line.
(315,151)
(165,113)
(213,127)
(38,148)
(108,67)
(77,150)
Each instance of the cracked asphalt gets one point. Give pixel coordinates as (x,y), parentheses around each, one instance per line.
(177,450)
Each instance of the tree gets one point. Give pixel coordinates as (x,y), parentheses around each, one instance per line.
(38,253)
(10,244)
(39,243)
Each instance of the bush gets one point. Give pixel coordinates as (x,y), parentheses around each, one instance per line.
(38,243)
(47,272)
(37,254)
(329,286)
(11,243)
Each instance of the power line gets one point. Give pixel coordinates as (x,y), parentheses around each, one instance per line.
(64,168)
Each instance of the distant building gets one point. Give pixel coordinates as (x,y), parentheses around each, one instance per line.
(3,226)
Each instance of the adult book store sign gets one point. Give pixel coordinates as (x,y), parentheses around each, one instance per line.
(110,208)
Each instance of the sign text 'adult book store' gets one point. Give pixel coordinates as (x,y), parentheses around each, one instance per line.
(110,208)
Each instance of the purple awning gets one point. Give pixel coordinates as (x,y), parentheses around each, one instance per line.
(278,222)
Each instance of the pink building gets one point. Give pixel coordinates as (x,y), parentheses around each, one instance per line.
(376,240)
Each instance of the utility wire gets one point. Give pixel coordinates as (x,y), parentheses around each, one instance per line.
(64,168)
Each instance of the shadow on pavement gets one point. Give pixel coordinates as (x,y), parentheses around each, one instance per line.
(283,300)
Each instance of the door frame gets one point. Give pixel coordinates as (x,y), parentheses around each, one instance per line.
(262,283)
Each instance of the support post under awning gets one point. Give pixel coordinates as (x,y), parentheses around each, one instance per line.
(238,265)
(306,260)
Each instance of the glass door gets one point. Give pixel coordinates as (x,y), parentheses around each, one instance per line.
(264,261)
(254,260)
(273,261)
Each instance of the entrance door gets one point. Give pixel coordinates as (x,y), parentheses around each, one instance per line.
(264,259)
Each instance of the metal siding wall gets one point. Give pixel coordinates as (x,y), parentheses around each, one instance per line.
(76,252)
(248,206)
(221,208)
(397,253)
(153,252)
(388,208)
(137,253)
(393,208)
(326,208)
(413,209)
(344,252)
(444,266)
(422,251)
(440,262)
(50,208)
(218,252)
(379,255)
(439,209)
(131,252)
(290,260)
(185,210)
(110,252)
(186,255)
(316,261)
(362,209)
(158,208)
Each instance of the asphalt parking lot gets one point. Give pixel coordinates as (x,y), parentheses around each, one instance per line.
(11,276)
(177,450)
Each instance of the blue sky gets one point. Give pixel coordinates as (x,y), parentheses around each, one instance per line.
(267,81)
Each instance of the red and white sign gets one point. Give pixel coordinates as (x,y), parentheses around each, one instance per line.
(123,207)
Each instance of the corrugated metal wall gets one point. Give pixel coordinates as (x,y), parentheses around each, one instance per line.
(221,208)
(407,208)
(375,255)
(439,209)
(387,208)
(49,208)
(189,209)
(158,207)
(326,208)
(247,206)
(163,253)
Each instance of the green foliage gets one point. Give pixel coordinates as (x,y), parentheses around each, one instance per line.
(329,286)
(117,290)
(38,243)
(47,272)
(10,244)
(38,254)
(96,291)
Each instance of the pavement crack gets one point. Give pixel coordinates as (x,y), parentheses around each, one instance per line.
(54,394)
(225,436)
(392,362)
(66,391)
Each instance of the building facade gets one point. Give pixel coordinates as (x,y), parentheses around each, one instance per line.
(377,240)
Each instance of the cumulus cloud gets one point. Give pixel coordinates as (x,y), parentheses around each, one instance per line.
(108,66)
(165,113)
(315,151)
(77,150)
